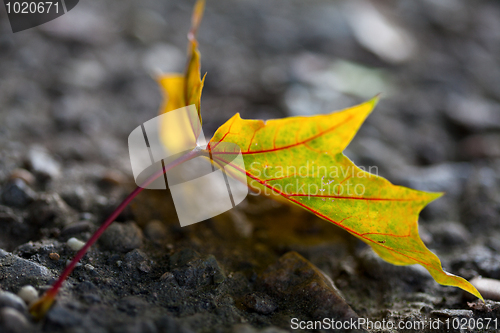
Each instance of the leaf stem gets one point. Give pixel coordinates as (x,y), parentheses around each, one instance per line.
(40,307)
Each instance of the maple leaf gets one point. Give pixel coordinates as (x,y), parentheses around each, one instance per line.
(383,215)
(300,159)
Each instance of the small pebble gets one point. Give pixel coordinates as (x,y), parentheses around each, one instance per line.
(167,276)
(54,256)
(76,228)
(42,163)
(11,300)
(69,262)
(489,288)
(112,178)
(75,244)
(260,303)
(13,321)
(122,237)
(89,267)
(28,294)
(23,174)
(17,194)
(156,231)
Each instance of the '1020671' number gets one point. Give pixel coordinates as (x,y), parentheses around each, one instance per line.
(471,323)
(31,7)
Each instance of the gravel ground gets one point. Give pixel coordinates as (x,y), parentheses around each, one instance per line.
(73,89)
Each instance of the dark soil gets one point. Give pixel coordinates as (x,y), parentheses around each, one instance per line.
(73,89)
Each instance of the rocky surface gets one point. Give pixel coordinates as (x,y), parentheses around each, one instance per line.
(73,89)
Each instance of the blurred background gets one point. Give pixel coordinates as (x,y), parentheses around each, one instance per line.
(73,89)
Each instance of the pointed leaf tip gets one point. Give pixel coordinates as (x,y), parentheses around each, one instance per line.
(374,101)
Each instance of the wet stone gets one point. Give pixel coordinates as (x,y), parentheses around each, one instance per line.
(12,321)
(122,237)
(260,303)
(17,194)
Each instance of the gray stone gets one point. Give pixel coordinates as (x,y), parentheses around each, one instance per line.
(17,194)
(11,300)
(16,272)
(138,260)
(122,237)
(451,313)
(12,321)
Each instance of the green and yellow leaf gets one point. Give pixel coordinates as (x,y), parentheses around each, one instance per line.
(300,159)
